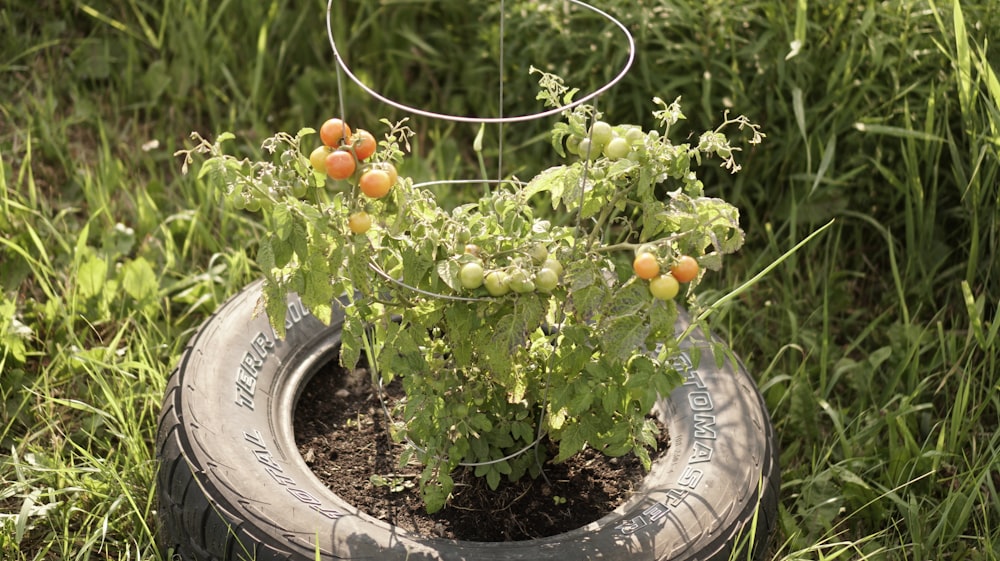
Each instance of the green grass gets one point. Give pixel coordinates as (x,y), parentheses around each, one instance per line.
(875,345)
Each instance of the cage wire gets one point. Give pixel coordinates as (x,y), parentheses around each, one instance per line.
(501,120)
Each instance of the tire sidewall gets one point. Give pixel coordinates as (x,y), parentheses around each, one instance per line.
(239,385)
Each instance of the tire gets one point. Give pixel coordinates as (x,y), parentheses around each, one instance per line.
(232,485)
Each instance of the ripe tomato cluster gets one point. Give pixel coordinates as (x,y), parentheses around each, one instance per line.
(541,273)
(665,286)
(344,154)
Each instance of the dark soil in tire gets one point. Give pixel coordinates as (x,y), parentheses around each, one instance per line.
(341,432)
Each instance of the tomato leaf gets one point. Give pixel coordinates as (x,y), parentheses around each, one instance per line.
(282,220)
(351,337)
(571,440)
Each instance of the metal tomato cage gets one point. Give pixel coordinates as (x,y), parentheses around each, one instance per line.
(343,68)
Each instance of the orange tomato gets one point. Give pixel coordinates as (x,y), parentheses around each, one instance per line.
(375,183)
(364,144)
(334,132)
(646,266)
(685,269)
(340,164)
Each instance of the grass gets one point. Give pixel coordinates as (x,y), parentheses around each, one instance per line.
(875,345)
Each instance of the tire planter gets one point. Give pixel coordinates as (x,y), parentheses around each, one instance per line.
(232,485)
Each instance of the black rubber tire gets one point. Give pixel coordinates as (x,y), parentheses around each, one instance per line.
(232,485)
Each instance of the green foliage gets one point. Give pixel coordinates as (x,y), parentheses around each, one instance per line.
(875,344)
(489,370)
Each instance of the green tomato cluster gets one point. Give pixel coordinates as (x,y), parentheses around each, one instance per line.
(542,273)
(602,139)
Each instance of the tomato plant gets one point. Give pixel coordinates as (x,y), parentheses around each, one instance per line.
(525,327)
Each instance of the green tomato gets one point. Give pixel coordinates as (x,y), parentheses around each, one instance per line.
(299,188)
(573,145)
(589,149)
(601,133)
(471,275)
(664,287)
(634,135)
(463,235)
(539,253)
(554,265)
(520,283)
(617,149)
(236,199)
(497,283)
(546,280)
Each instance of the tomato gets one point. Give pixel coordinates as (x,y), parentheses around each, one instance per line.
(546,280)
(471,275)
(634,135)
(375,183)
(497,283)
(237,200)
(340,164)
(685,269)
(645,266)
(589,149)
(553,264)
(252,204)
(299,188)
(463,235)
(364,144)
(601,133)
(359,222)
(664,287)
(538,253)
(520,283)
(617,149)
(573,145)
(472,249)
(388,168)
(334,132)
(318,158)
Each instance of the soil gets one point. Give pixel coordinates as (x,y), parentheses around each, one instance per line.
(340,430)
